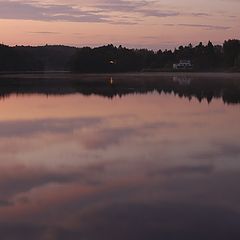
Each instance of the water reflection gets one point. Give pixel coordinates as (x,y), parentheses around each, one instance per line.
(145,166)
(208,86)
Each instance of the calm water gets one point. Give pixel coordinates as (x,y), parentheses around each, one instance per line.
(137,167)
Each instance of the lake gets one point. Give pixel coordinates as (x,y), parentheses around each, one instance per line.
(121,157)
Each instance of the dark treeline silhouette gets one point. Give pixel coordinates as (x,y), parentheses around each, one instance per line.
(109,58)
(27,58)
(201,88)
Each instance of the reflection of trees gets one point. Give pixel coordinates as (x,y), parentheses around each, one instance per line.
(199,88)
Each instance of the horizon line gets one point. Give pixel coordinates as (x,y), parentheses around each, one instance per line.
(215,43)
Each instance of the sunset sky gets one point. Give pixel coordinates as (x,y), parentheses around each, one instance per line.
(137,23)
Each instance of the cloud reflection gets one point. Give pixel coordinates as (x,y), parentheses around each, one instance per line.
(131,172)
(25,128)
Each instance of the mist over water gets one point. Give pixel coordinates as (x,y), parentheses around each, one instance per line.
(120,157)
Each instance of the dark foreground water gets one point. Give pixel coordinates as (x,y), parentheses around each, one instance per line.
(148,159)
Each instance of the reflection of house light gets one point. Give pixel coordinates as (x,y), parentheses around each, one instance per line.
(182,80)
(111,81)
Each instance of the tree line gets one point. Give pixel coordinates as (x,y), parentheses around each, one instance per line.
(28,58)
(110,58)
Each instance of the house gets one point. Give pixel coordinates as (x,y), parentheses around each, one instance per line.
(183,65)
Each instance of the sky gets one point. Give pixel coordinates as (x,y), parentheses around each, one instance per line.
(154,24)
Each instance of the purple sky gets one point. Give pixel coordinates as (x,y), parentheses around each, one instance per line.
(137,23)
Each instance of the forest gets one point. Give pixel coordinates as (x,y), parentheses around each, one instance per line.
(112,58)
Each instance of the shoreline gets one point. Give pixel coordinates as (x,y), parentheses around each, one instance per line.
(66,74)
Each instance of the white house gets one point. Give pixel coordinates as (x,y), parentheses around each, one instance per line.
(183,65)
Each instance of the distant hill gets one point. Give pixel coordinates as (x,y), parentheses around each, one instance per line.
(110,58)
(42,58)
